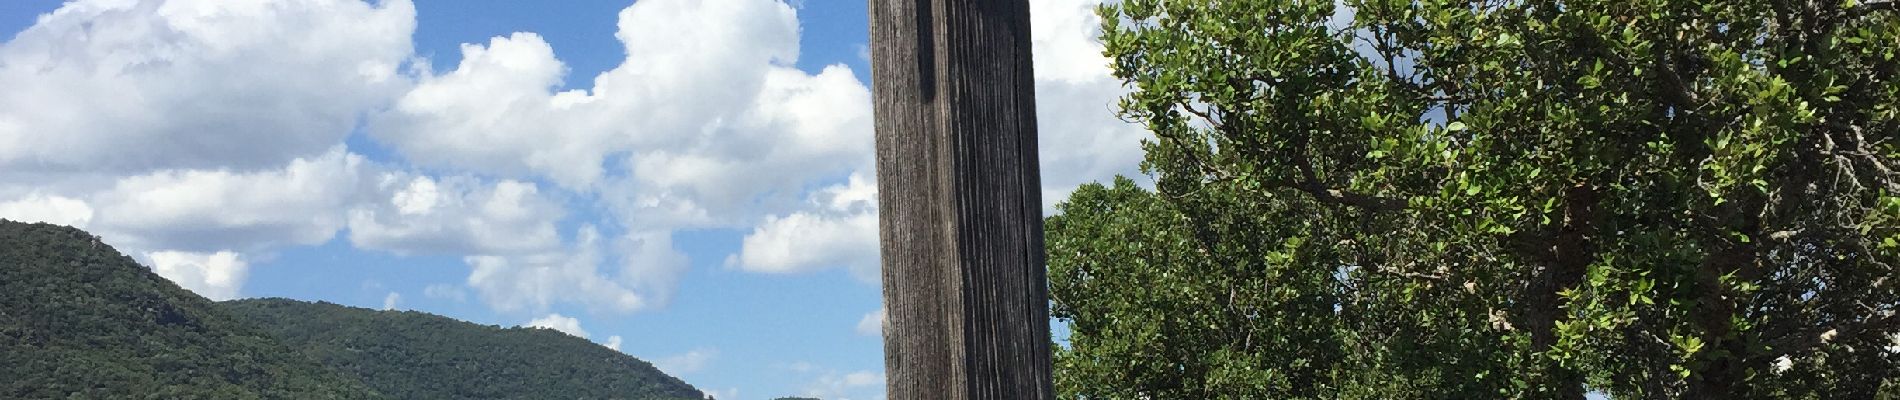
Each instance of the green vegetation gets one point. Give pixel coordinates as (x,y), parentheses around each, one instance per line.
(80,320)
(414,355)
(1432,199)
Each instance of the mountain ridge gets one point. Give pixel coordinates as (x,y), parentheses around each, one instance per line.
(79,319)
(416,355)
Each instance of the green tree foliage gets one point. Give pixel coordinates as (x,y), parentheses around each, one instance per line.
(1435,199)
(1189,303)
(80,320)
(415,355)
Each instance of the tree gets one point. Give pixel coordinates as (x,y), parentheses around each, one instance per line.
(1165,308)
(1653,198)
(415,355)
(79,319)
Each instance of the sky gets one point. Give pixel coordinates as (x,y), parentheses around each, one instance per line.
(685,181)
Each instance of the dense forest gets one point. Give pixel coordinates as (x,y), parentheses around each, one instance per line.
(80,320)
(1645,199)
(415,355)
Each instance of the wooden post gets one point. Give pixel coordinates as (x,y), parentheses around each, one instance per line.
(960,205)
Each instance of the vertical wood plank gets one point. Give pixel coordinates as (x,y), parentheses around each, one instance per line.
(959,200)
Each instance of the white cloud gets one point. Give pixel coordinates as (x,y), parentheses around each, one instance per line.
(565,324)
(491,114)
(139,85)
(193,132)
(836,385)
(863,378)
(690,67)
(534,282)
(650,265)
(707,121)
(177,129)
(1064,36)
(456,215)
(1082,139)
(50,209)
(203,210)
(841,230)
(216,276)
(689,362)
(799,130)
(872,324)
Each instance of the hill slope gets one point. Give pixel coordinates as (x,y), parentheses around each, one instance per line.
(78,318)
(414,355)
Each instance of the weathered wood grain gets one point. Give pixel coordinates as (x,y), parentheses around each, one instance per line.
(960,204)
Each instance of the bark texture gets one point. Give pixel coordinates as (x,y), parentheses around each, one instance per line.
(960,216)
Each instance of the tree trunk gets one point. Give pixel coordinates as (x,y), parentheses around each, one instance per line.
(960,216)
(1563,255)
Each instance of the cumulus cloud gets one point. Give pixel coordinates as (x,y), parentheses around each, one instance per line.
(706,123)
(839,230)
(217,276)
(556,321)
(651,265)
(198,127)
(1082,139)
(491,113)
(192,132)
(1064,38)
(534,282)
(140,85)
(52,209)
(456,215)
(302,203)
(707,115)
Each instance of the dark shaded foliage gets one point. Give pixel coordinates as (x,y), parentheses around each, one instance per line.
(80,320)
(415,355)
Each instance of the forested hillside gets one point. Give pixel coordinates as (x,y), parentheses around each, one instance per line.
(80,320)
(414,355)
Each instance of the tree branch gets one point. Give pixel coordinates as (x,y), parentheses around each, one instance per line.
(1813,337)
(1327,194)
(1868,8)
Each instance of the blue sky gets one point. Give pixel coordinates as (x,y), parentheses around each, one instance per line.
(689,180)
